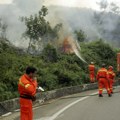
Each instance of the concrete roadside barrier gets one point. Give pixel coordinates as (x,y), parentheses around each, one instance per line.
(13,104)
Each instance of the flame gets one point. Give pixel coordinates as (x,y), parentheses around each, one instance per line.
(71,46)
(67,47)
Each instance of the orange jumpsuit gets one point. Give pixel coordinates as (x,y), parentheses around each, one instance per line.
(92,73)
(103,80)
(27,89)
(111,76)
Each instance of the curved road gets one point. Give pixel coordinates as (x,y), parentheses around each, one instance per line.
(82,106)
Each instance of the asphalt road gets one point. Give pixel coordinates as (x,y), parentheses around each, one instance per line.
(82,106)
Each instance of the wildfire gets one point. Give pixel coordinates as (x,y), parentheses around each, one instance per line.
(71,46)
(67,47)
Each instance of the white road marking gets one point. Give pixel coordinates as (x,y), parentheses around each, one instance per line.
(54,116)
(7,114)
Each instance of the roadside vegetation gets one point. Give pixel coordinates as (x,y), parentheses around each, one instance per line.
(55,69)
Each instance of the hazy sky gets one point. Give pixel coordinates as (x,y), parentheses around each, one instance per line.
(70,3)
(5,1)
(73,3)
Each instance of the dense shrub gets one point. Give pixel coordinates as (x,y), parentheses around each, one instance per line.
(55,69)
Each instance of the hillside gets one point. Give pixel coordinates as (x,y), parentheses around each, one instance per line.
(55,69)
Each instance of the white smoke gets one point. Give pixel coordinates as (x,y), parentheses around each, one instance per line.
(73,18)
(11,13)
(82,18)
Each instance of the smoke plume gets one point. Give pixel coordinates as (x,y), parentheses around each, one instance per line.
(11,13)
(96,24)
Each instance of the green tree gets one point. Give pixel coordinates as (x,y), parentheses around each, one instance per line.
(39,29)
(81,36)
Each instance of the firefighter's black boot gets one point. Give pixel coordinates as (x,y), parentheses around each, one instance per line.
(100,95)
(109,95)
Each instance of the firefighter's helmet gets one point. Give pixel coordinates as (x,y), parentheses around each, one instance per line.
(103,65)
(92,63)
(110,67)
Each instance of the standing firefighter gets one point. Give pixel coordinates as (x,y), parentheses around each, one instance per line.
(27,89)
(111,76)
(92,72)
(103,81)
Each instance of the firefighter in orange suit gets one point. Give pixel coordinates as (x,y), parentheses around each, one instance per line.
(111,76)
(92,72)
(27,89)
(103,81)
